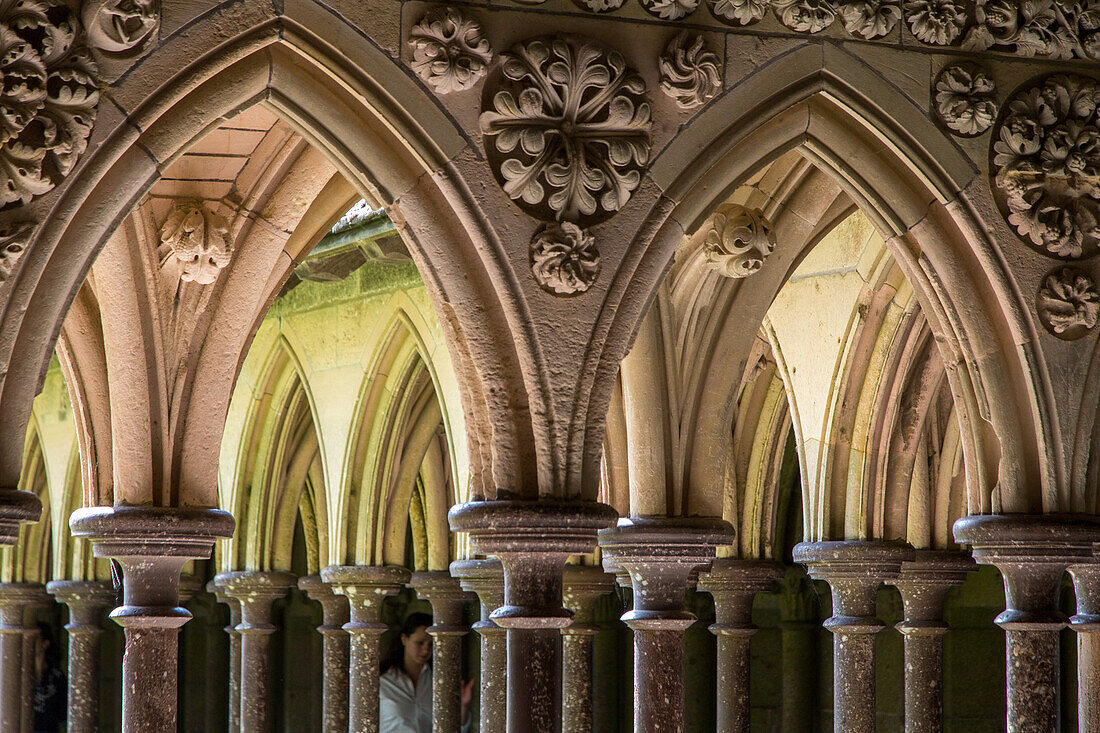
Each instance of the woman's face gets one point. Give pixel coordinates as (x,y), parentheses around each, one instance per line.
(418,646)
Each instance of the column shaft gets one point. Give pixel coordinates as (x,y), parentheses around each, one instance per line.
(335,652)
(446,596)
(923,683)
(486,579)
(19,603)
(583,585)
(234,676)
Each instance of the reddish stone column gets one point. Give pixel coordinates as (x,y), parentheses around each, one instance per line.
(924,583)
(334,610)
(1086,624)
(18,604)
(256,592)
(151,544)
(446,596)
(365,588)
(234,716)
(87,601)
(734,584)
(533,540)
(583,585)
(1032,552)
(486,579)
(663,556)
(854,570)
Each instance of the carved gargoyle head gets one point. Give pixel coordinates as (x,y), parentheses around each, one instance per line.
(199,239)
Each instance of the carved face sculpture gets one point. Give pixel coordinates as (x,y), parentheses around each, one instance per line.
(118,26)
(199,239)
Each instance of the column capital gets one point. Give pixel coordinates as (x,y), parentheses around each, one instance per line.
(734,583)
(365,587)
(190,585)
(16,508)
(1086,587)
(334,606)
(924,583)
(17,600)
(86,599)
(256,590)
(446,595)
(486,579)
(854,569)
(582,585)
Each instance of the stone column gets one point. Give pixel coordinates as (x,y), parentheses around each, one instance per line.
(734,584)
(533,540)
(583,584)
(446,596)
(1032,552)
(854,570)
(256,591)
(151,544)
(334,610)
(31,635)
(1086,624)
(365,587)
(87,601)
(16,508)
(234,717)
(662,555)
(486,579)
(19,603)
(798,633)
(924,583)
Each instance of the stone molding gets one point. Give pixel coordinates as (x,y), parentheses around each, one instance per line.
(734,583)
(16,507)
(924,583)
(853,569)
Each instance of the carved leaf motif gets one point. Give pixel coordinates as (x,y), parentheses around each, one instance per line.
(199,239)
(739,12)
(690,72)
(966,99)
(569,136)
(936,22)
(14,238)
(805,16)
(1047,165)
(739,240)
(1058,29)
(600,6)
(870,18)
(450,52)
(1068,303)
(121,27)
(670,9)
(564,259)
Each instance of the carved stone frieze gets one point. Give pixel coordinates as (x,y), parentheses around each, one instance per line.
(450,51)
(966,99)
(600,6)
(199,239)
(564,258)
(739,240)
(805,16)
(567,129)
(936,22)
(1068,303)
(1058,29)
(670,9)
(48,97)
(1046,164)
(14,238)
(121,27)
(870,19)
(690,72)
(738,12)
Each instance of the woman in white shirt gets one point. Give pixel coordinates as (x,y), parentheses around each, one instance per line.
(405,687)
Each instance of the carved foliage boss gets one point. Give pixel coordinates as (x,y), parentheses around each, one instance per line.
(739,241)
(199,240)
(450,52)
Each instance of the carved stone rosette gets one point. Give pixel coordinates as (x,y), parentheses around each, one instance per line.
(199,239)
(805,16)
(739,240)
(450,51)
(738,12)
(690,72)
(966,99)
(936,22)
(1068,303)
(1046,165)
(670,9)
(564,259)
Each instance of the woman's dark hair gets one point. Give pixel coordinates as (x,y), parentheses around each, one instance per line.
(395,656)
(53,649)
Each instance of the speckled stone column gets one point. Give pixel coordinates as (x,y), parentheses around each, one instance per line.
(734,584)
(234,717)
(334,610)
(924,583)
(18,604)
(1032,552)
(31,635)
(798,626)
(662,555)
(87,601)
(256,592)
(1086,624)
(582,585)
(365,587)
(446,596)
(533,540)
(151,544)
(854,570)
(486,579)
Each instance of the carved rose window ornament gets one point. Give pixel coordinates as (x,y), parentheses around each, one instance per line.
(564,258)
(1046,165)
(450,52)
(567,130)
(121,27)
(1068,303)
(966,99)
(690,72)
(739,240)
(200,241)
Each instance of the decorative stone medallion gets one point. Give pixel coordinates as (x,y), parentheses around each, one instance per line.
(870,19)
(739,241)
(1068,303)
(567,128)
(738,12)
(564,259)
(121,27)
(966,99)
(1046,165)
(48,97)
(14,238)
(600,6)
(690,72)
(805,16)
(670,9)
(936,22)
(199,239)
(450,52)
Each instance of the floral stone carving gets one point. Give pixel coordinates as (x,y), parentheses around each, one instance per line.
(936,22)
(450,52)
(738,12)
(14,238)
(564,258)
(121,27)
(600,6)
(1068,303)
(690,72)
(1046,162)
(670,9)
(567,133)
(199,239)
(966,99)
(739,240)
(805,16)
(48,97)
(1058,29)
(870,18)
